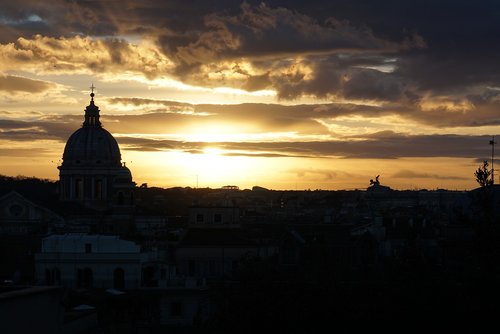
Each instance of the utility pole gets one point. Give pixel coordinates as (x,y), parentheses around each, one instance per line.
(492,143)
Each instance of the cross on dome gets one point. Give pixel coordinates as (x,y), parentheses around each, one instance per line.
(92,87)
(92,111)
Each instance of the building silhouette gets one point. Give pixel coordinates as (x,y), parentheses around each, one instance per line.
(92,172)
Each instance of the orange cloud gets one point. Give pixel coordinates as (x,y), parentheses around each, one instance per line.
(11,83)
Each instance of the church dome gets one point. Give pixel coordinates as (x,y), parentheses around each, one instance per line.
(91,172)
(123,175)
(92,144)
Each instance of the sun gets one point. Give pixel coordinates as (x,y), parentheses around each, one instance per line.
(213,167)
(212,152)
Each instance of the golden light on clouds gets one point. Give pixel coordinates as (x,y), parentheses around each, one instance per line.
(281,96)
(83,55)
(447,104)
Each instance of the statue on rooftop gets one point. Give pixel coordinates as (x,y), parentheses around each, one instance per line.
(376,182)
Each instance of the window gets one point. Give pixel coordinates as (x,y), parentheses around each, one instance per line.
(121,198)
(88,248)
(87,278)
(79,278)
(212,268)
(176,309)
(119,279)
(66,188)
(79,189)
(289,255)
(217,218)
(56,274)
(15,210)
(48,277)
(234,265)
(98,189)
(199,218)
(191,268)
(148,277)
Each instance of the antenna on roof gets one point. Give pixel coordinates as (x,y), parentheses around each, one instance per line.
(492,143)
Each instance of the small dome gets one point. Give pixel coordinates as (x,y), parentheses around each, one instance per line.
(92,145)
(124,175)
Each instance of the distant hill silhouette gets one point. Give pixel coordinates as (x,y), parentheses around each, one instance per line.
(39,190)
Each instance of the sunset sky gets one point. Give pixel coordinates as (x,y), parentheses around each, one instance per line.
(281,94)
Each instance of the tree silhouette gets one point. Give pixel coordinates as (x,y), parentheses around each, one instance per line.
(483,175)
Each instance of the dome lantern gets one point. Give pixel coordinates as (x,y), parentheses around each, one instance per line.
(92,112)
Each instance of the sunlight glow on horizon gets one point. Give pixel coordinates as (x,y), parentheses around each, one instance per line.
(281,100)
(214,169)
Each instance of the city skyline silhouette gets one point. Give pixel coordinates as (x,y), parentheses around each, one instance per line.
(249,166)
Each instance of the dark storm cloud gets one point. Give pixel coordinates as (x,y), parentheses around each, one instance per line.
(444,46)
(257,82)
(196,34)
(373,85)
(460,37)
(298,54)
(397,53)
(332,76)
(325,80)
(25,18)
(264,31)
